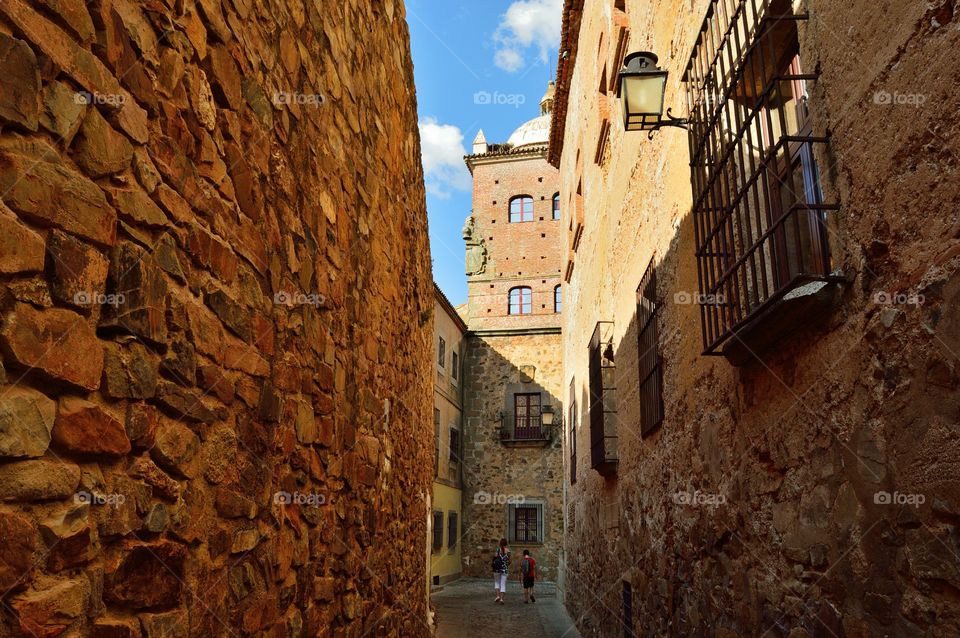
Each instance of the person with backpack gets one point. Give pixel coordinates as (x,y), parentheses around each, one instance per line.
(528,569)
(501,565)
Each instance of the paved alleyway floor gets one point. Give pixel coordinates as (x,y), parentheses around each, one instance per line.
(465,608)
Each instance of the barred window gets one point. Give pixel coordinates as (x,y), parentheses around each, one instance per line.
(453,529)
(442,353)
(526,523)
(454,445)
(650,362)
(603,400)
(759,215)
(573,432)
(437,531)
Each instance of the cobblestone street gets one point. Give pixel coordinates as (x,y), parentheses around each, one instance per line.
(465,608)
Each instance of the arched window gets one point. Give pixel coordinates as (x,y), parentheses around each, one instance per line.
(556,206)
(521,209)
(521,301)
(557,299)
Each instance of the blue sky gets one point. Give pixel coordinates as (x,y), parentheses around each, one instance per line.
(477,65)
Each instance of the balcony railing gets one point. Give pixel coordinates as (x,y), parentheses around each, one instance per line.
(525,429)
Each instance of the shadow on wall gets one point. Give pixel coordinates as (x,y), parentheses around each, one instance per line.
(767,488)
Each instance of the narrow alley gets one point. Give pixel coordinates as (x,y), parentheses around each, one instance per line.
(465,609)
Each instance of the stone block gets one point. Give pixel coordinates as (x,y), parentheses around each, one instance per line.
(63,111)
(19,83)
(140,292)
(38,480)
(78,271)
(99,149)
(37,185)
(146,576)
(26,419)
(58,343)
(21,249)
(129,372)
(83,427)
(47,612)
(176,449)
(17,551)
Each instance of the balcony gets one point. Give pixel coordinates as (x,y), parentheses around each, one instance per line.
(528,431)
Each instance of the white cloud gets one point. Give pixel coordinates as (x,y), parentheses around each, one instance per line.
(526,24)
(442,151)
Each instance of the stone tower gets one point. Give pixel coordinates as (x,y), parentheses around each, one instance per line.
(512,457)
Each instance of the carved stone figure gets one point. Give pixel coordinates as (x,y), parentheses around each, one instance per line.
(476,260)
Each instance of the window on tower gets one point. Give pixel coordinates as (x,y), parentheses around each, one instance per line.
(521,301)
(521,209)
(556,206)
(557,299)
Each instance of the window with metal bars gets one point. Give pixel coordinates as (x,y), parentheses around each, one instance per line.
(437,531)
(526,523)
(759,214)
(527,418)
(603,400)
(454,445)
(573,439)
(627,611)
(521,209)
(453,529)
(649,359)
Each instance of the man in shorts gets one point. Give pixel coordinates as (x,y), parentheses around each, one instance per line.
(528,570)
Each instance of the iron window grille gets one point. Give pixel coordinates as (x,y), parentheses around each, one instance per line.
(526,523)
(453,529)
(759,212)
(649,359)
(521,209)
(437,531)
(521,301)
(454,445)
(573,441)
(603,400)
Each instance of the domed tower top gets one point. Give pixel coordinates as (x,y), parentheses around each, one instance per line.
(546,102)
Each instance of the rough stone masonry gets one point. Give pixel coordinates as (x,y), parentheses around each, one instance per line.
(208,354)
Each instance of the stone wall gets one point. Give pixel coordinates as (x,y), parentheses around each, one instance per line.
(212,365)
(803,443)
(495,474)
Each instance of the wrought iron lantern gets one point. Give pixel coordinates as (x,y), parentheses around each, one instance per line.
(640,87)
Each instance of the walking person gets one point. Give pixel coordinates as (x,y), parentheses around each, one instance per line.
(528,570)
(501,565)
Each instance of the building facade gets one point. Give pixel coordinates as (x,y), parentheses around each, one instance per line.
(446,516)
(761,320)
(512,452)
